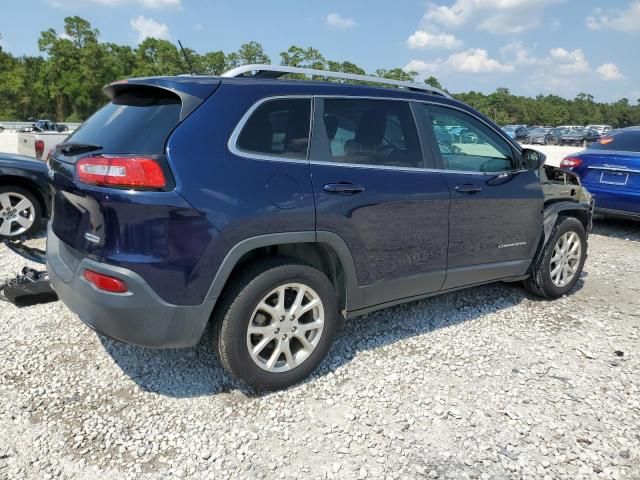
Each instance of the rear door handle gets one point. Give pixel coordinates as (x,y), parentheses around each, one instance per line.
(343,188)
(468,188)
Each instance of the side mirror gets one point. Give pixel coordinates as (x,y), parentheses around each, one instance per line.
(532,159)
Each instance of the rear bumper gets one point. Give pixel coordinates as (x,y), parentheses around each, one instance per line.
(623,202)
(139,316)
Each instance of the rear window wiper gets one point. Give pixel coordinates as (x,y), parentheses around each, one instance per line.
(72,147)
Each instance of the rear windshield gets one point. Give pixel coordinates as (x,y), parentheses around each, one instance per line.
(137,122)
(621,141)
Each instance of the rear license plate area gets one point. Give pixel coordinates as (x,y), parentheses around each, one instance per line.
(614,178)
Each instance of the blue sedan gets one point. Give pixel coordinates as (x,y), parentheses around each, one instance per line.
(610,170)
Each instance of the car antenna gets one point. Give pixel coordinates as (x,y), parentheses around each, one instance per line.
(186,57)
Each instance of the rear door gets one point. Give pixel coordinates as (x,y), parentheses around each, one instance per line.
(371,188)
(495,218)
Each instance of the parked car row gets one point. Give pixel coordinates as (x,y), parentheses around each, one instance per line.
(561,135)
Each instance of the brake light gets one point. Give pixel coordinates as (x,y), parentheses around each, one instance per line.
(39,148)
(105,282)
(570,162)
(135,172)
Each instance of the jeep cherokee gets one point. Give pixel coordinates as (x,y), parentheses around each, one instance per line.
(276,208)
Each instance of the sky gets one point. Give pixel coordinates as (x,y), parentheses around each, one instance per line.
(561,47)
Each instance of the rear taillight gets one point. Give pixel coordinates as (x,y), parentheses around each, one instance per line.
(134,172)
(105,282)
(39,148)
(570,162)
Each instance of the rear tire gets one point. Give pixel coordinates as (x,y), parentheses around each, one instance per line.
(292,311)
(558,267)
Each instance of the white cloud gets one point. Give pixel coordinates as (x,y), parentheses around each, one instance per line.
(616,19)
(474,60)
(609,71)
(147,27)
(568,63)
(337,21)
(493,16)
(64,36)
(517,54)
(424,39)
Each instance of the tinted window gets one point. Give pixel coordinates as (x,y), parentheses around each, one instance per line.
(279,128)
(372,132)
(132,123)
(466,144)
(621,141)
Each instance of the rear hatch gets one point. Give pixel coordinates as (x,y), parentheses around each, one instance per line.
(133,127)
(612,170)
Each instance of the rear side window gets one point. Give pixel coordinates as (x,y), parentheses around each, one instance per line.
(137,121)
(621,141)
(372,132)
(278,128)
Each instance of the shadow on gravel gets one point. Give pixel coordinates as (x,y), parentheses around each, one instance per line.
(180,373)
(616,228)
(197,372)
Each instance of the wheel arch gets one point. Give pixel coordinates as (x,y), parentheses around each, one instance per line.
(325,251)
(25,183)
(555,211)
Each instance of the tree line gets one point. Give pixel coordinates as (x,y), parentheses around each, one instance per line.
(65,82)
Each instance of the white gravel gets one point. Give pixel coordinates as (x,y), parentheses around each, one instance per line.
(484,383)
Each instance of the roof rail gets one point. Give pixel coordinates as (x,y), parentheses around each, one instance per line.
(277,71)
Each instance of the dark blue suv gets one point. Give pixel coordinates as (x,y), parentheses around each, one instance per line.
(277,208)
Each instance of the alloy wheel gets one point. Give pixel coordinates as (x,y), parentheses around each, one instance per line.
(565,260)
(17,214)
(285,328)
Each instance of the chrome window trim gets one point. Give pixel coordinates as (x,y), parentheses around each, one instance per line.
(233,139)
(232,143)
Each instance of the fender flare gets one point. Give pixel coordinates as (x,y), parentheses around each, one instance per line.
(335,242)
(550,218)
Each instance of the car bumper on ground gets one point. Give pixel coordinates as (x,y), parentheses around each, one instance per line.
(138,316)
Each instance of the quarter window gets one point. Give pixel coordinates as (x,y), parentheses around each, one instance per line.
(278,128)
(465,144)
(371,132)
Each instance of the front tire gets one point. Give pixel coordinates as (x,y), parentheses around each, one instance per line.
(557,269)
(20,213)
(276,323)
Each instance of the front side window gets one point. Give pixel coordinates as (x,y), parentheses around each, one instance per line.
(371,132)
(278,128)
(466,144)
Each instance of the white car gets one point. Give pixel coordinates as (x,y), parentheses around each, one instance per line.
(38,145)
(601,129)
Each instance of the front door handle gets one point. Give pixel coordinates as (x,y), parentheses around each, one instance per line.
(343,188)
(468,188)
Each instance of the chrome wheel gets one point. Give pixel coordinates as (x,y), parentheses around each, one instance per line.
(285,328)
(565,260)
(17,214)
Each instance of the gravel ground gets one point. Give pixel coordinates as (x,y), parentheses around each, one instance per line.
(484,383)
